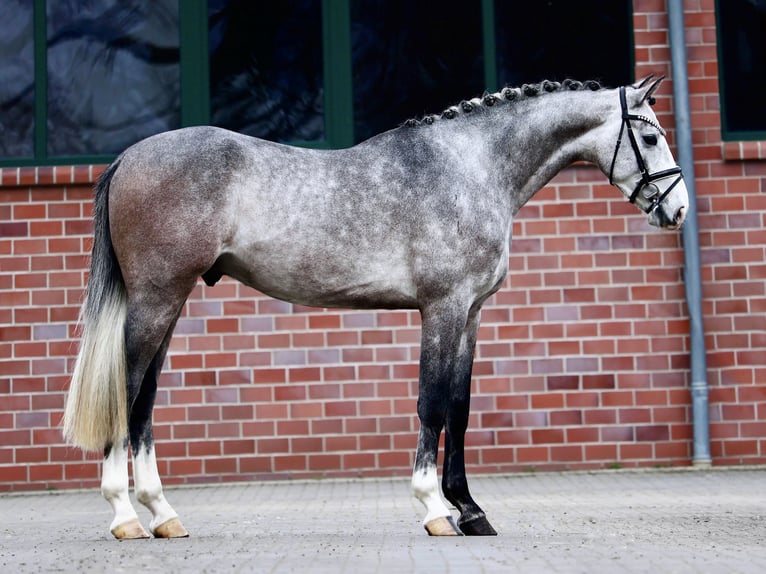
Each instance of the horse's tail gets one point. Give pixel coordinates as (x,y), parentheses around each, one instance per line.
(96,408)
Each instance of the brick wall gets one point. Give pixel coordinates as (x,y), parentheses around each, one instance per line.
(582,359)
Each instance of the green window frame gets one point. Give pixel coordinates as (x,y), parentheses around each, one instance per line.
(727,87)
(194,70)
(194,76)
(40,155)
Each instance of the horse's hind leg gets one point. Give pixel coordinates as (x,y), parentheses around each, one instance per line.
(165,522)
(115,489)
(151,322)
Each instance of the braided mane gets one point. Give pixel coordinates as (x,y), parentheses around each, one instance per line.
(505,96)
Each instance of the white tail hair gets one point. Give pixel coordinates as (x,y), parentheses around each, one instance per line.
(96,408)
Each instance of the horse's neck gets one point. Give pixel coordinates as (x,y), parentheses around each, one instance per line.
(549,133)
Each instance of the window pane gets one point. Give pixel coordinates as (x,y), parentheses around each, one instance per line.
(16,79)
(266,68)
(113,73)
(742,33)
(412,58)
(560,39)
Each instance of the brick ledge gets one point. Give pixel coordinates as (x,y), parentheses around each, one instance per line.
(50,175)
(744,150)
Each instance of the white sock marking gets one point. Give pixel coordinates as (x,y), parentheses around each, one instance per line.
(425,485)
(114,486)
(149,487)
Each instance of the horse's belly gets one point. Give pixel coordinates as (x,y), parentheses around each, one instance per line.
(322,280)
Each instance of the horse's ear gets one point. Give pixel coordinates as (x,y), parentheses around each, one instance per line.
(647,87)
(643,82)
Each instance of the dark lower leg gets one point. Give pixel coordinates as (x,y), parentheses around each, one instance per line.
(472,519)
(165,522)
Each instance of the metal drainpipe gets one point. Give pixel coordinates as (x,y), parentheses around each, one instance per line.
(699,385)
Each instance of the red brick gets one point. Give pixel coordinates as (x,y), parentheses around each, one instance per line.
(547,436)
(617,434)
(740,447)
(195,378)
(526,455)
(290,463)
(677,451)
(204,448)
(292,427)
(652,432)
(325,321)
(604,452)
(81,471)
(566,453)
(185,467)
(582,435)
(548,401)
(324,462)
(635,451)
(217,466)
(290,392)
(375,407)
(395,459)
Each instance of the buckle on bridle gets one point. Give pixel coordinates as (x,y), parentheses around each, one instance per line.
(647,179)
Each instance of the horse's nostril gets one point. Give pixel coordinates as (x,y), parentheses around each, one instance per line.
(680,216)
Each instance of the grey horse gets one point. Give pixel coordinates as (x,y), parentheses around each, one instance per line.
(418,217)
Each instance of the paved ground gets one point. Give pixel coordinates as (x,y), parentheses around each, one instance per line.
(644,521)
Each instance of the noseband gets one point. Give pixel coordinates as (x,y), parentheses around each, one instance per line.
(647,179)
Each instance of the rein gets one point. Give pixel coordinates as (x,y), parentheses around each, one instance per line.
(647,179)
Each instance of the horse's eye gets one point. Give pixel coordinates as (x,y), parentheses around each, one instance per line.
(650,139)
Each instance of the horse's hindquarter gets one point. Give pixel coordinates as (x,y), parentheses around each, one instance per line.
(168,205)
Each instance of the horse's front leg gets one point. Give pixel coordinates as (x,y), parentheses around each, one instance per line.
(472,520)
(440,340)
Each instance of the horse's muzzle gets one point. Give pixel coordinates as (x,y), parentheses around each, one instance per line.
(659,218)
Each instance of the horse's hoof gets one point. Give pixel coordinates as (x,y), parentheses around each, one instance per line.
(171,529)
(130,530)
(478,526)
(442,526)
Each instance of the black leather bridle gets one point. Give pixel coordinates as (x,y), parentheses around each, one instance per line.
(647,179)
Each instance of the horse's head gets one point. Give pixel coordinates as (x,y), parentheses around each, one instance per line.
(642,166)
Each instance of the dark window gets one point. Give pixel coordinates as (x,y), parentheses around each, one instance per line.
(113,73)
(266,68)
(560,39)
(17,74)
(412,58)
(742,55)
(82,80)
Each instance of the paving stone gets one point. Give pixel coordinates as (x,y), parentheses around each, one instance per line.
(611,521)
